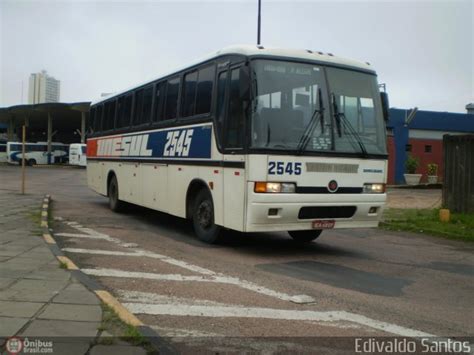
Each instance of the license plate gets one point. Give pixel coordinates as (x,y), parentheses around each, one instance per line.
(323,224)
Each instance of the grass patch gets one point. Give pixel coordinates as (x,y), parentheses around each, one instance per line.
(113,325)
(132,335)
(35,216)
(62,265)
(426,221)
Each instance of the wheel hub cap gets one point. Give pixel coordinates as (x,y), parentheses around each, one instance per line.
(204,214)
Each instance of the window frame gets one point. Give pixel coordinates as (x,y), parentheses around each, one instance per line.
(183,94)
(226,148)
(178,99)
(220,137)
(214,81)
(200,116)
(104,115)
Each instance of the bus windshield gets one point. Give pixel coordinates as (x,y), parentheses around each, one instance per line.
(309,108)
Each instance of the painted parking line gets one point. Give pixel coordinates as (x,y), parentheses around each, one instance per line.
(218,277)
(153,304)
(269,313)
(209,278)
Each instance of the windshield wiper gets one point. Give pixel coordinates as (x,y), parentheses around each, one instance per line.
(313,123)
(341,115)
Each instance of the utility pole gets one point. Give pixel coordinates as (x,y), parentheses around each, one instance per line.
(23,153)
(259,21)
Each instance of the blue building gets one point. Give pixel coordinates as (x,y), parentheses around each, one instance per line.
(421,135)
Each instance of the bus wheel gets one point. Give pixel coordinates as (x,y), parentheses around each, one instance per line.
(203,218)
(305,236)
(113,191)
(31,162)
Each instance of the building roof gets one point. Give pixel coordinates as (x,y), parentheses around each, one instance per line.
(34,112)
(253,50)
(433,120)
(6,112)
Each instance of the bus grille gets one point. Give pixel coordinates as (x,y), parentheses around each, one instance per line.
(327,212)
(332,168)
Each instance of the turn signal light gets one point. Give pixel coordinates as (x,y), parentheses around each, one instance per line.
(274,187)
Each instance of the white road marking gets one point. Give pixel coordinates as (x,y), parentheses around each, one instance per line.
(226,311)
(269,313)
(184,333)
(142,253)
(87,236)
(217,277)
(209,278)
(144,275)
(154,298)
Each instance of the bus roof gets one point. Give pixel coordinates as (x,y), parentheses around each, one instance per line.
(253,50)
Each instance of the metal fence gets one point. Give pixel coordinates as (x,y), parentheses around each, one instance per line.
(458,182)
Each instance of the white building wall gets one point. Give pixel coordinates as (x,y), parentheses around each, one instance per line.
(429,134)
(43,88)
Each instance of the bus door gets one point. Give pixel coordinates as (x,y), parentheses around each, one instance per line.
(231,111)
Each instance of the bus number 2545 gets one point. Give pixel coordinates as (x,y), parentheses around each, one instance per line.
(281,168)
(178,143)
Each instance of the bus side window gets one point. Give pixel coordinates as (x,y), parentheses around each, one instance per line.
(221,96)
(147,101)
(98,119)
(92,119)
(234,130)
(159,101)
(137,112)
(171,106)
(189,94)
(204,89)
(109,116)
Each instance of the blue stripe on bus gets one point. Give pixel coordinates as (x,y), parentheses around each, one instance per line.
(162,145)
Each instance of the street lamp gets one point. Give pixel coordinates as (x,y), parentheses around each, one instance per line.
(259,21)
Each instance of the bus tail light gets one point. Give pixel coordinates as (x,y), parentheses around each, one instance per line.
(274,187)
(374,188)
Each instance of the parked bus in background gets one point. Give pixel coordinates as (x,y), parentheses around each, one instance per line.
(36,153)
(250,139)
(77,154)
(3,151)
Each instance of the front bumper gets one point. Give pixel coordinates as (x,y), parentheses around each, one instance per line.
(288,206)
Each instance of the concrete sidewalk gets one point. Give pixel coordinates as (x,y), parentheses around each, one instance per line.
(38,298)
(413,198)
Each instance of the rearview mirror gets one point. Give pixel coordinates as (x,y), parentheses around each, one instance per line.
(385,106)
(244,79)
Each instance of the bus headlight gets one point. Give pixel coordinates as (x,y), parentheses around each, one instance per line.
(374,188)
(274,187)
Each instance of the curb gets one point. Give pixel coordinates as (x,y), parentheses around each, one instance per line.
(156,341)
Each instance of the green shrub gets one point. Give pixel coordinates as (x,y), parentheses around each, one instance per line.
(411,164)
(433,169)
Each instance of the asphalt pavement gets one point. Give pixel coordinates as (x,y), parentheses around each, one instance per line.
(260,291)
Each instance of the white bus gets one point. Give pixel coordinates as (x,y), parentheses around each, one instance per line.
(37,153)
(77,154)
(250,139)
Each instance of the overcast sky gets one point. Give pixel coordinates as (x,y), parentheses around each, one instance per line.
(422,50)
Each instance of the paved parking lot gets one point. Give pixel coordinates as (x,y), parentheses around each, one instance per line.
(349,283)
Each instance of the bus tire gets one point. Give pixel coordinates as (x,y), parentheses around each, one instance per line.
(305,236)
(31,162)
(203,218)
(113,192)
